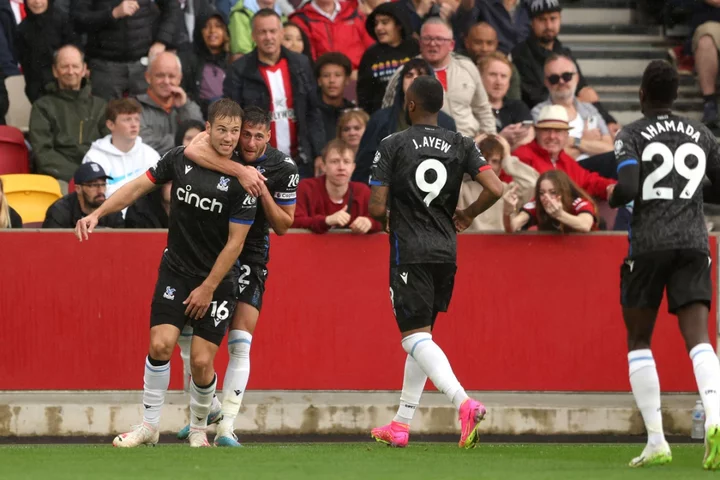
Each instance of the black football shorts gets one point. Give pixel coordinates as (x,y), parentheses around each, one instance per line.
(251,283)
(419,291)
(685,273)
(171,290)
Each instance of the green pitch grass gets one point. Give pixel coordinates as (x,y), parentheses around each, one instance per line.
(343,461)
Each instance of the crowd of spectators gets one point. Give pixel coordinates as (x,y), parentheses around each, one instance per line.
(114,84)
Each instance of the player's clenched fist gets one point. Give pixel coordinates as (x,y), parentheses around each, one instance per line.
(85,226)
(198,302)
(338,219)
(461,220)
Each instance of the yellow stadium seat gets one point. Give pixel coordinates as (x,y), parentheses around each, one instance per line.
(31,195)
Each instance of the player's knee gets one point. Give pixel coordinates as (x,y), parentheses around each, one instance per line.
(161,348)
(201,362)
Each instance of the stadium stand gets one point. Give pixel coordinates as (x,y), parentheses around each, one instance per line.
(31,195)
(13,151)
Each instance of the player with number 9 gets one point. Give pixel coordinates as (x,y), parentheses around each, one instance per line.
(421,170)
(661,161)
(276,209)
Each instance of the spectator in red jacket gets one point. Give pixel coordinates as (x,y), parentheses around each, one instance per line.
(332,200)
(547,152)
(334,26)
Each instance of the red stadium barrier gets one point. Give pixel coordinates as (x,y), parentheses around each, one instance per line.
(529,312)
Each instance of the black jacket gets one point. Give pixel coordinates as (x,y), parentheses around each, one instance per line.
(194,60)
(380,61)
(245,85)
(16,220)
(529,58)
(127,39)
(66,212)
(382,123)
(181,38)
(38,36)
(330,117)
(8,32)
(4,100)
(147,212)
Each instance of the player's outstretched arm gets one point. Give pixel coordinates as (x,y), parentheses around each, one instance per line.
(124,197)
(378,203)
(200,298)
(201,152)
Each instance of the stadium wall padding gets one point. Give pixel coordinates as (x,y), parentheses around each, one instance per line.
(529,313)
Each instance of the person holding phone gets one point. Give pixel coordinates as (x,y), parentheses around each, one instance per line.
(512,117)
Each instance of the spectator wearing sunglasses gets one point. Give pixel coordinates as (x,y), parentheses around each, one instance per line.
(529,57)
(589,134)
(90,186)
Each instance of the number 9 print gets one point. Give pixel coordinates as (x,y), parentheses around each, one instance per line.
(679,162)
(431,188)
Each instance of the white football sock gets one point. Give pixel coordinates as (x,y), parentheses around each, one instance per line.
(707,374)
(157,380)
(184,342)
(436,366)
(200,402)
(413,386)
(236,376)
(645,385)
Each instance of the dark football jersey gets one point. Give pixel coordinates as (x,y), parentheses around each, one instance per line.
(673,154)
(282,181)
(424,166)
(202,205)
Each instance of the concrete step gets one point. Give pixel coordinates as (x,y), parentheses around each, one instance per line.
(622,102)
(585,35)
(595,81)
(598,4)
(596,16)
(297,412)
(610,68)
(620,52)
(627,116)
(613,29)
(630,92)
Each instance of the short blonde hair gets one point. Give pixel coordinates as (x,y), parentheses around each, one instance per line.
(484,62)
(336,145)
(351,114)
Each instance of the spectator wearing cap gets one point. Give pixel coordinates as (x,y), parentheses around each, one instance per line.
(165,104)
(529,57)
(205,66)
(241,14)
(65,121)
(43,31)
(281,82)
(547,152)
(120,35)
(481,42)
(512,117)
(508,18)
(332,200)
(392,119)
(589,135)
(465,98)
(389,25)
(89,194)
(333,73)
(331,25)
(122,154)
